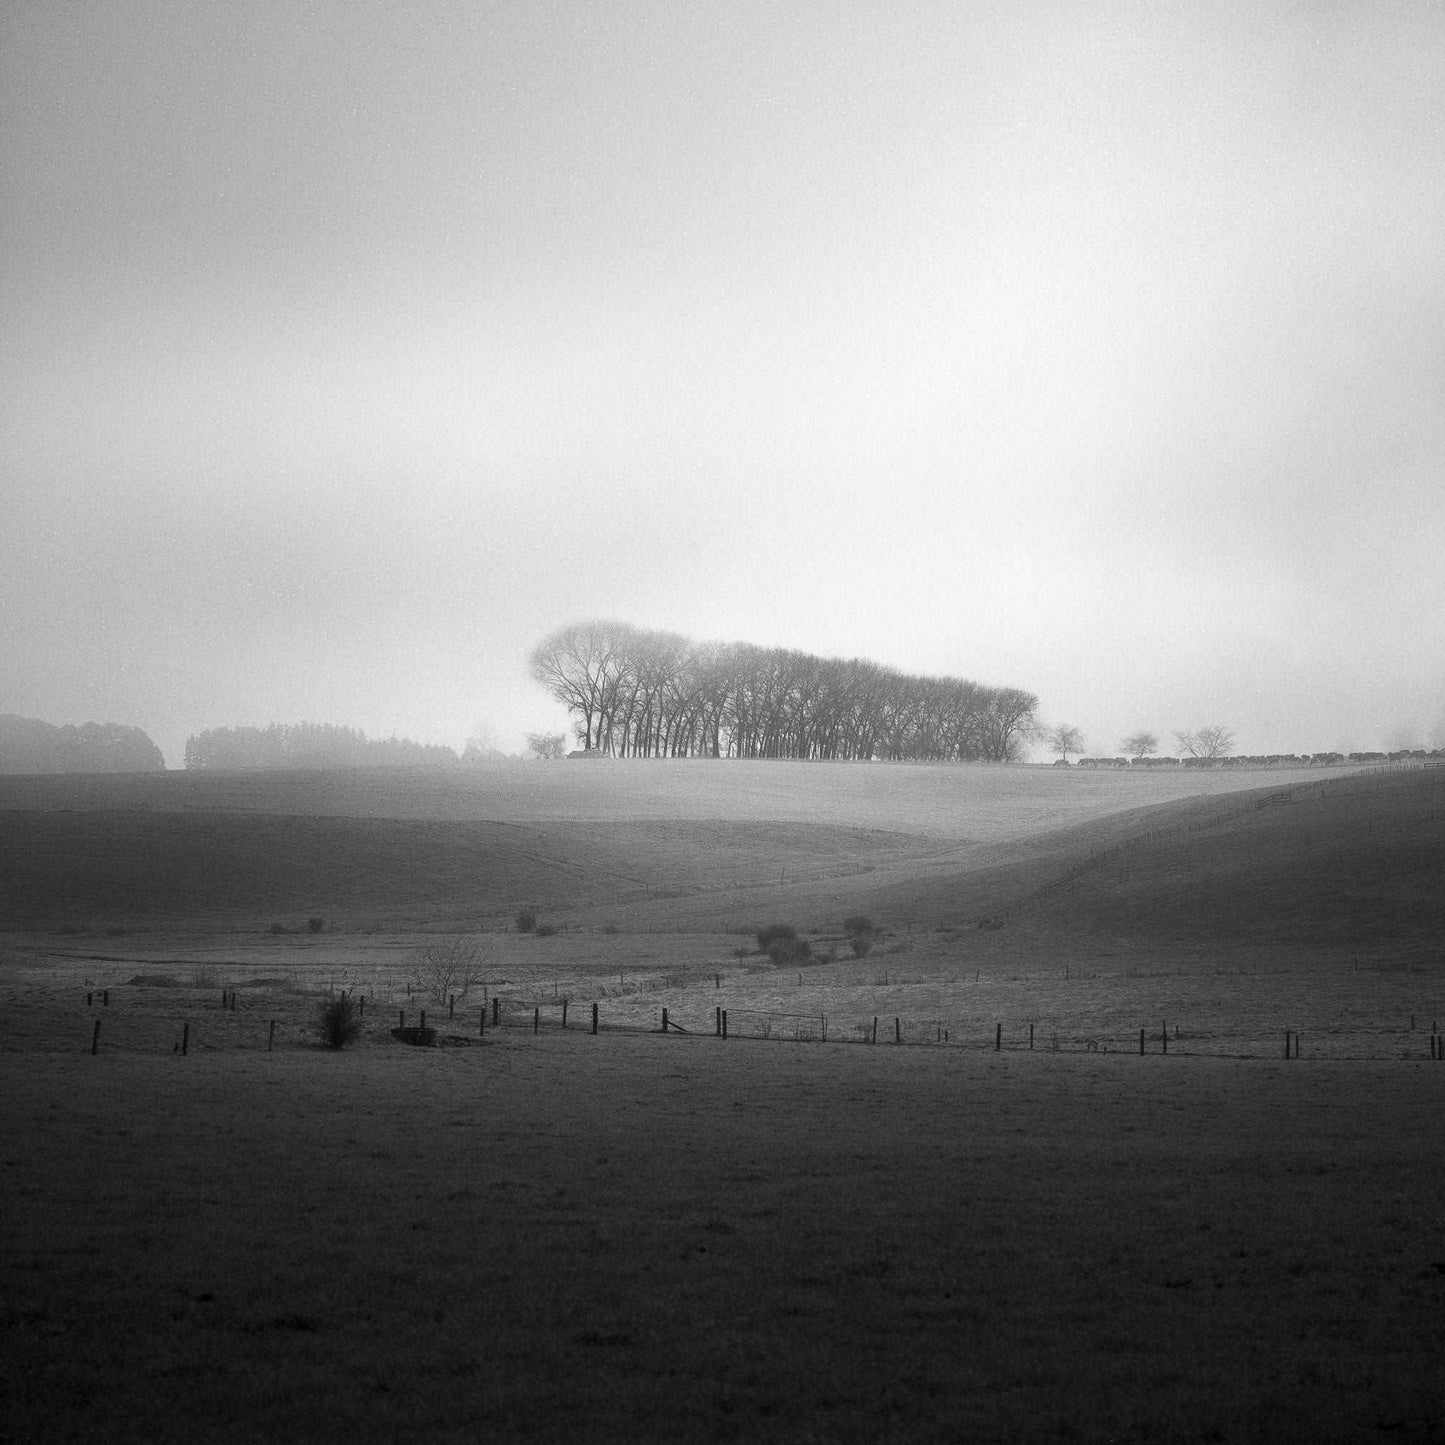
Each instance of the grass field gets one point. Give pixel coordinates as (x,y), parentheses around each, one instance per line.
(644,1236)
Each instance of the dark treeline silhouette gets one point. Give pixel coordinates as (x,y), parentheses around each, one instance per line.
(307,745)
(635,693)
(28,745)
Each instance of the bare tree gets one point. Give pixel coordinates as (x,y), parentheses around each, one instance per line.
(1206,742)
(450,969)
(1140,745)
(1065,739)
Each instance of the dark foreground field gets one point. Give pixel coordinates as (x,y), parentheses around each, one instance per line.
(639,1236)
(633,1238)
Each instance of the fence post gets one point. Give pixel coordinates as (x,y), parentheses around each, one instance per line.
(452,1007)
(1141,1043)
(88,998)
(185,1039)
(423,1018)
(664,1020)
(482,1022)
(496,1010)
(271,1036)
(717,1021)
(95,1039)
(594,1018)
(1164,1036)
(725,1023)
(536,1018)
(997,1037)
(875,1029)
(564,1013)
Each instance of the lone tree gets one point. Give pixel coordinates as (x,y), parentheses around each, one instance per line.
(1064,740)
(1140,745)
(1207,742)
(548,746)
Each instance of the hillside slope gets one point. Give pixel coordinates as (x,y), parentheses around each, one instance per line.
(1346,867)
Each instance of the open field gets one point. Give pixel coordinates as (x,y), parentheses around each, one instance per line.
(639,1236)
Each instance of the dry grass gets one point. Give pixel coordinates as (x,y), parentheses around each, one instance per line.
(658,1239)
(631,1237)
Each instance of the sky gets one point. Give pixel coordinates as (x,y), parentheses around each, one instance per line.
(349,348)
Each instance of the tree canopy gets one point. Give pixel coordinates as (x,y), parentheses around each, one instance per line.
(638,693)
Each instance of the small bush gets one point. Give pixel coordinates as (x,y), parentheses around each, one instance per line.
(544,930)
(609,928)
(316,924)
(526,921)
(857,923)
(337,1021)
(861,942)
(278,928)
(774,933)
(790,950)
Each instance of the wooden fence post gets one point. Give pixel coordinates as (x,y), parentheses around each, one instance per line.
(875,1029)
(997,1037)
(95,1039)
(664,1020)
(725,1023)
(88,998)
(594,1018)
(185,1039)
(1141,1043)
(1164,1036)
(271,1036)
(452,1007)
(564,1012)
(717,1022)
(536,1019)
(423,1018)
(496,1010)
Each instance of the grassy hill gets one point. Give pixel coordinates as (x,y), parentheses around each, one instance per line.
(1332,864)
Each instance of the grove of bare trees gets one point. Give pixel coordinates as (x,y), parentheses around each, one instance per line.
(639,693)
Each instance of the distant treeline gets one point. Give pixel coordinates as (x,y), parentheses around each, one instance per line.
(28,745)
(634,693)
(1268,760)
(307,745)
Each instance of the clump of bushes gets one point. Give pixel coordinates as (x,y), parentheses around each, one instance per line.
(775,933)
(781,943)
(860,934)
(526,921)
(337,1021)
(316,924)
(545,930)
(790,950)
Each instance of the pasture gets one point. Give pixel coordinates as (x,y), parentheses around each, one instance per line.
(538,1232)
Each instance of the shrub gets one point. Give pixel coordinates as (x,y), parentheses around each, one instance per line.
(278,928)
(861,942)
(857,923)
(316,924)
(337,1021)
(545,930)
(790,950)
(526,921)
(774,933)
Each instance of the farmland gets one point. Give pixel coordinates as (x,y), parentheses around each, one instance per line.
(997,1220)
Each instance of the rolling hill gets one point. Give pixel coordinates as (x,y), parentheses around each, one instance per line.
(1294,861)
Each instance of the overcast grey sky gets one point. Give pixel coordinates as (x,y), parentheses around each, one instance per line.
(348,348)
